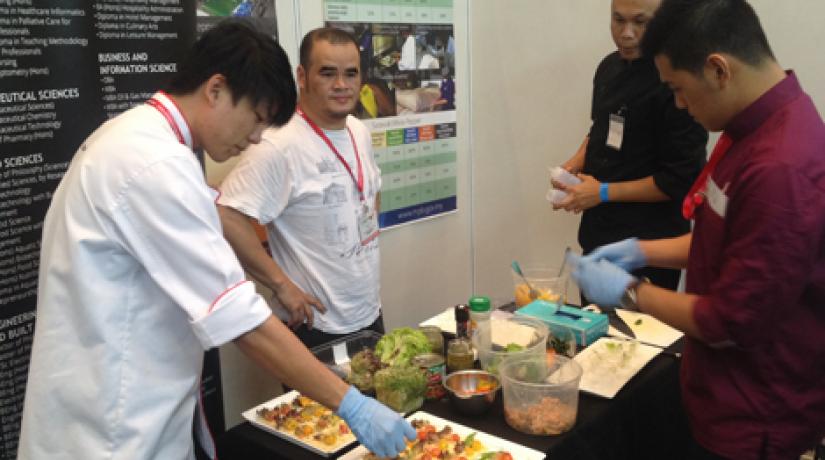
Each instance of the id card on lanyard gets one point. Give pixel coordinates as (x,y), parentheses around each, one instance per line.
(615,132)
(366,217)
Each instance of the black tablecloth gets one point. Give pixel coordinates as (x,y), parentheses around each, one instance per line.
(644,420)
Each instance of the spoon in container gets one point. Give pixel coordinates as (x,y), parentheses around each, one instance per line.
(534,294)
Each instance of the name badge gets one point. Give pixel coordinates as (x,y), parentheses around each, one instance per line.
(716,198)
(615,134)
(367,224)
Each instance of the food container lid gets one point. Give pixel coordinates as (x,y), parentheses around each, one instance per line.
(427,360)
(480,303)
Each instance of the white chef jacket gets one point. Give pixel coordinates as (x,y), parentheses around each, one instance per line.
(293,183)
(136,281)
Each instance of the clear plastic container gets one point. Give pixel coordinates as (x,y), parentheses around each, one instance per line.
(545,280)
(337,354)
(564,177)
(541,395)
(401,388)
(498,340)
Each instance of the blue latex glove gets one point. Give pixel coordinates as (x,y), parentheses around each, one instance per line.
(627,254)
(602,281)
(377,427)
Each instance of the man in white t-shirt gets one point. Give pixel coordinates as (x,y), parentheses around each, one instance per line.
(314,184)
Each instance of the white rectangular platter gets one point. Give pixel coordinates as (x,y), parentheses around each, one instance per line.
(307,442)
(490,442)
(609,364)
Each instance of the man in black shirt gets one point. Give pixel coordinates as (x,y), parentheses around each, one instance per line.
(642,153)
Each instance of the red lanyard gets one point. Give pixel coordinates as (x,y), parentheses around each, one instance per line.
(696,195)
(359,183)
(169,119)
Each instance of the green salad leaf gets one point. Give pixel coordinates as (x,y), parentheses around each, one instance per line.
(399,346)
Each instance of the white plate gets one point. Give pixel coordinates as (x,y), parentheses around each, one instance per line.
(444,321)
(649,329)
(307,443)
(490,442)
(606,371)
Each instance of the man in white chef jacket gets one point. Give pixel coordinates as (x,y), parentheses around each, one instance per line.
(136,280)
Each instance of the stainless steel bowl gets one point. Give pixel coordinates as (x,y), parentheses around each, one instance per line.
(465,396)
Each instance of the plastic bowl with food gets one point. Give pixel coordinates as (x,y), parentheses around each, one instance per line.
(545,281)
(501,339)
(541,396)
(472,392)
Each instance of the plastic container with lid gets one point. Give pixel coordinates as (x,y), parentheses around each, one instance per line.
(541,396)
(501,339)
(479,312)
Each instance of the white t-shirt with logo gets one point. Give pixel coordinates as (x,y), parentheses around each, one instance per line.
(294,184)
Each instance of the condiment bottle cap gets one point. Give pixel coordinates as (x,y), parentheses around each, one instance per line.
(479,303)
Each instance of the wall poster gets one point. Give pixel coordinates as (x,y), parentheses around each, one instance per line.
(407,100)
(65,67)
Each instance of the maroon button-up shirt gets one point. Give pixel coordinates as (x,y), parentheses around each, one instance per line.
(757,260)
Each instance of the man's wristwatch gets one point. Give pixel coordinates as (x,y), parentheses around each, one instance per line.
(629,299)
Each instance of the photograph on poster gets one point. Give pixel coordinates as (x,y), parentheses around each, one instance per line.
(261,13)
(407,68)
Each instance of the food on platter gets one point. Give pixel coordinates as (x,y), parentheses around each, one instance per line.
(400,346)
(309,422)
(546,417)
(401,388)
(615,354)
(432,443)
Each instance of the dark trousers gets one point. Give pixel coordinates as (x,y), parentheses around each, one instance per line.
(313,337)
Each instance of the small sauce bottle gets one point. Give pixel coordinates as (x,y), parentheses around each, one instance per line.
(462,321)
(459,355)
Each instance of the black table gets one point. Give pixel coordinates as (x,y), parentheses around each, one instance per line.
(645,420)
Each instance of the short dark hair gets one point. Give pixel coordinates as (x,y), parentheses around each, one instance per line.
(327,34)
(688,31)
(252,62)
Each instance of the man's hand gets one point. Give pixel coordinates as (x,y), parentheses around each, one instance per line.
(298,303)
(380,429)
(580,197)
(601,281)
(627,254)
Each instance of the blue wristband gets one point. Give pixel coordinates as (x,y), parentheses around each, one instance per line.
(603,192)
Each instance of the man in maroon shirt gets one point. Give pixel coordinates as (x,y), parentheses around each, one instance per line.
(753,373)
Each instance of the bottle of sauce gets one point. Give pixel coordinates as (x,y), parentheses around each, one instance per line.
(462,321)
(459,355)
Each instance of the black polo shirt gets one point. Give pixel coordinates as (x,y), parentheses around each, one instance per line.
(659,140)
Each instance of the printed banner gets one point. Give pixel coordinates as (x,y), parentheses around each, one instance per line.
(407,100)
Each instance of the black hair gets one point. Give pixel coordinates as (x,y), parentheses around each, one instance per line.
(688,31)
(253,64)
(327,34)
